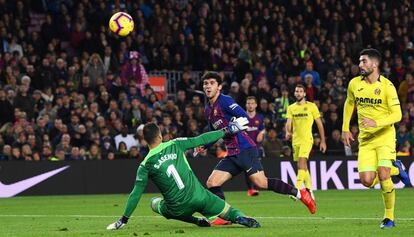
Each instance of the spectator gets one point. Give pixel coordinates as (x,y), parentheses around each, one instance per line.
(264,109)
(335,144)
(95,69)
(271,144)
(338,91)
(402,135)
(281,104)
(127,139)
(286,151)
(27,153)
(94,153)
(75,154)
(16,154)
(6,154)
(406,90)
(192,128)
(122,152)
(134,153)
(59,155)
(333,123)
(110,62)
(181,100)
(6,109)
(24,102)
(46,153)
(186,84)
(134,71)
(311,90)
(316,80)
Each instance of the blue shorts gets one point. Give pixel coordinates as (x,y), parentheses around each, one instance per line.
(246,161)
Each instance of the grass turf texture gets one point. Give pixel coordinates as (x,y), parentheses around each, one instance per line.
(339,213)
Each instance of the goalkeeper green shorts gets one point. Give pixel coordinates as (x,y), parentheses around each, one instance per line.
(208,204)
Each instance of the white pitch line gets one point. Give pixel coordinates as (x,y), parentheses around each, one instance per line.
(258,217)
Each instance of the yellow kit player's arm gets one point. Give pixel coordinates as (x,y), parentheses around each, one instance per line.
(394,107)
(288,126)
(348,108)
(321,130)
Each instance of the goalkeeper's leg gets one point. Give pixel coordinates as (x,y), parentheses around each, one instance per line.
(236,216)
(157,205)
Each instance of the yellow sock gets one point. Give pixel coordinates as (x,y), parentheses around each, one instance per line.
(394,171)
(300,179)
(375,182)
(308,182)
(388,195)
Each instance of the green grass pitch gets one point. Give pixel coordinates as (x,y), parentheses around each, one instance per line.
(339,213)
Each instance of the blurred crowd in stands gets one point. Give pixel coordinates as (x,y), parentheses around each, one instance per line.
(72,90)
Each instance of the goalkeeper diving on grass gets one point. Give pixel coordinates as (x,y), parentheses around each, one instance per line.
(183,194)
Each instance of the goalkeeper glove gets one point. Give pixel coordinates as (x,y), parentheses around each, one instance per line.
(118,224)
(236,125)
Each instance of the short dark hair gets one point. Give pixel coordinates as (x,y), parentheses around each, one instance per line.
(300,85)
(210,75)
(372,54)
(151,132)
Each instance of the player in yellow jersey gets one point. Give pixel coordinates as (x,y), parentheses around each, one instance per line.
(300,116)
(378,108)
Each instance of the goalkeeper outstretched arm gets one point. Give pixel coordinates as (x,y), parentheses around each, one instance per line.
(133,199)
(234,127)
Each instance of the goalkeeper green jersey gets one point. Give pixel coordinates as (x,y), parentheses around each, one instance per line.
(167,166)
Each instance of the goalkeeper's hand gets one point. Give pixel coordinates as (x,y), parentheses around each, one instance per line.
(118,224)
(237,124)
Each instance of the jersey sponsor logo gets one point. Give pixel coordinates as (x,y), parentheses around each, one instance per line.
(233,106)
(300,115)
(366,100)
(377,91)
(217,124)
(165,158)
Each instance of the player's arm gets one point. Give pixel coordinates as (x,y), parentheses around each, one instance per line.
(317,117)
(234,127)
(261,134)
(204,139)
(133,199)
(205,146)
(394,108)
(288,125)
(348,111)
(321,130)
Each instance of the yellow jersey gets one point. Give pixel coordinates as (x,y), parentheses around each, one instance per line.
(302,120)
(378,101)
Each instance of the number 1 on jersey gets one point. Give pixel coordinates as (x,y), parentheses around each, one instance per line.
(172,171)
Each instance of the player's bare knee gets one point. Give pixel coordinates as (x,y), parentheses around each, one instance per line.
(367,182)
(383,173)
